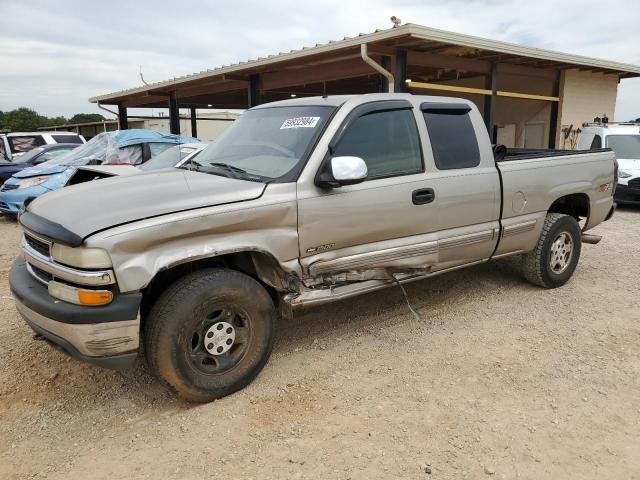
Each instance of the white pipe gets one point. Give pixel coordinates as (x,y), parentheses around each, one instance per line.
(389,76)
(106,109)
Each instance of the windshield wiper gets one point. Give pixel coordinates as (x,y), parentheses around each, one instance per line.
(225,170)
(228,167)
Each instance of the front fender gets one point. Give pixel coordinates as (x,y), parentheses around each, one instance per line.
(142,249)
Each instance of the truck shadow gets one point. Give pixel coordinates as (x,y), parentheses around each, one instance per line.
(629,209)
(137,391)
(389,307)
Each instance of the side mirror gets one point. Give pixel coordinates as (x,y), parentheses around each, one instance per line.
(339,171)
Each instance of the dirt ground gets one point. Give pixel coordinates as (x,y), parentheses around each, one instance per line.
(500,380)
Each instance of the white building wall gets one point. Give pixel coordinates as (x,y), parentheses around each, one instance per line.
(584,95)
(210,125)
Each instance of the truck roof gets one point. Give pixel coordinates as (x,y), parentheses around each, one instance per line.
(51,132)
(337,100)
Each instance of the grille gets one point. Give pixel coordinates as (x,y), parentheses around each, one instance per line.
(6,187)
(635,183)
(38,245)
(41,275)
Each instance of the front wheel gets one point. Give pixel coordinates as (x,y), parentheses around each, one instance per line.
(210,333)
(555,257)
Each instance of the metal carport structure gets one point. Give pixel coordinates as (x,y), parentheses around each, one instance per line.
(407,58)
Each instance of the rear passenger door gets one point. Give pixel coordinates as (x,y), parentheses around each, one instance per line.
(465,181)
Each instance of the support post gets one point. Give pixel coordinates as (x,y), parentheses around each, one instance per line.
(254,90)
(194,123)
(385,62)
(123,121)
(553,122)
(174,114)
(490,102)
(400,71)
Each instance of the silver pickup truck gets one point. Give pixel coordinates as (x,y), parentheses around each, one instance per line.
(299,203)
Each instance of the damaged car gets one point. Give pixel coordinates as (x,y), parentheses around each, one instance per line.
(122,147)
(174,156)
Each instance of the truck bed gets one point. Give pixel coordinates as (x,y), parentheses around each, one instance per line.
(532,153)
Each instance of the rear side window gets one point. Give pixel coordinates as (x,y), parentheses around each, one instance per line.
(25,143)
(387,141)
(67,138)
(453,139)
(596,143)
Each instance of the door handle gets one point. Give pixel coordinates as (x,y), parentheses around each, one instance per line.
(423,196)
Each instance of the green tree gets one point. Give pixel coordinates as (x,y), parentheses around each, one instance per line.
(22,119)
(56,121)
(86,118)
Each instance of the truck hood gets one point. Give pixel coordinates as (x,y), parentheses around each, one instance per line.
(93,206)
(41,170)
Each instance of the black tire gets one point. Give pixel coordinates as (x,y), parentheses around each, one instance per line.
(196,306)
(537,263)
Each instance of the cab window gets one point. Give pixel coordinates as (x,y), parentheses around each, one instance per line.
(453,138)
(387,141)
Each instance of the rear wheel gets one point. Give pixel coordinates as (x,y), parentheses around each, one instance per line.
(554,259)
(210,333)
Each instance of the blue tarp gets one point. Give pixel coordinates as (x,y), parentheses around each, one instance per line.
(139,135)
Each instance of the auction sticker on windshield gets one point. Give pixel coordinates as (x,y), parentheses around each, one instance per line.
(300,122)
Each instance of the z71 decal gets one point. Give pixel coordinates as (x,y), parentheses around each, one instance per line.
(321,248)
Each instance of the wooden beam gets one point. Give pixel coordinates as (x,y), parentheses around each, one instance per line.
(479,91)
(512,69)
(220,87)
(141,101)
(432,60)
(527,96)
(448,88)
(316,74)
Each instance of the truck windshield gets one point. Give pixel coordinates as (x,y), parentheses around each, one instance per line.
(266,143)
(625,146)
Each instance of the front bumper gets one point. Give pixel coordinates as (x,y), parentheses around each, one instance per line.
(625,194)
(12,200)
(107,336)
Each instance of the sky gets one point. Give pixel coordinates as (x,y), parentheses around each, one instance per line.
(55,55)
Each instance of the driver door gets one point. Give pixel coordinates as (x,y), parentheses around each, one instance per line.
(388,220)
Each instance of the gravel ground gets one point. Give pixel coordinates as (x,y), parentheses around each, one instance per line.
(500,380)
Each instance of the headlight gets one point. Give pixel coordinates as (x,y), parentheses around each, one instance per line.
(623,174)
(32,182)
(79,296)
(81,257)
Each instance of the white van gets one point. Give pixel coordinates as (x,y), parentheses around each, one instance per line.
(624,140)
(14,144)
